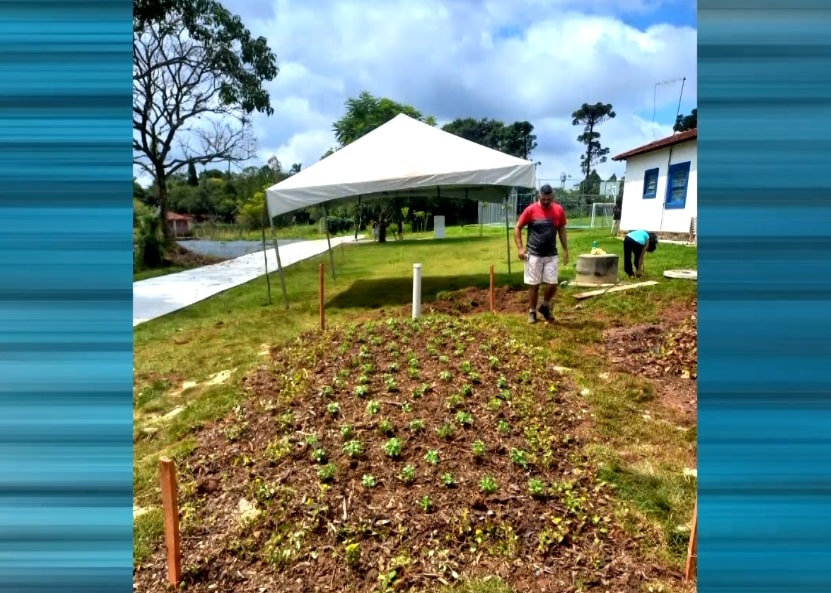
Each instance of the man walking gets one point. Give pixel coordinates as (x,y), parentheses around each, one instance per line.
(545,221)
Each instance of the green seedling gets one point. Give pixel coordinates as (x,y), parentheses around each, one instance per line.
(353,448)
(327,472)
(393,448)
(488,485)
(464,418)
(408,474)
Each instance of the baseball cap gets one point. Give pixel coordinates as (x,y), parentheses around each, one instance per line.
(546,189)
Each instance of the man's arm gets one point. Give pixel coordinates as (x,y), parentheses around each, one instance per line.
(640,259)
(564,242)
(520,223)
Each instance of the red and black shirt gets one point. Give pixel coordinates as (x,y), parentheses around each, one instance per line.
(543,224)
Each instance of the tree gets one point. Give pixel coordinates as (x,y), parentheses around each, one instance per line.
(487,132)
(592,184)
(519,140)
(516,139)
(198,74)
(686,122)
(365,113)
(193,178)
(590,117)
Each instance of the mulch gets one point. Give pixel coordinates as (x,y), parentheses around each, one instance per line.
(306,534)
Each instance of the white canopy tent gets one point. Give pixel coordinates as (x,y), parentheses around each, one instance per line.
(403,158)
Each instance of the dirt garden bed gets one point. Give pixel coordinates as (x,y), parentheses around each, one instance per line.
(665,353)
(399,455)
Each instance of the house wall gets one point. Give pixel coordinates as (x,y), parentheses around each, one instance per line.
(650,214)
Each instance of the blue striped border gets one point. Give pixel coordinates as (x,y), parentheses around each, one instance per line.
(764,401)
(65,296)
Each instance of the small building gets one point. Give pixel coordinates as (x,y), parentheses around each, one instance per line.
(180,225)
(660,193)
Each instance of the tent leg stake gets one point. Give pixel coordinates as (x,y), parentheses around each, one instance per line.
(279,265)
(493,297)
(329,242)
(322,307)
(508,236)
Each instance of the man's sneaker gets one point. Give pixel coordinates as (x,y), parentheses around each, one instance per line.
(545,311)
(532,317)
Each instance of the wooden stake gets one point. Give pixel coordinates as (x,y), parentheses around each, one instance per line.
(591,293)
(493,299)
(692,548)
(170,504)
(322,319)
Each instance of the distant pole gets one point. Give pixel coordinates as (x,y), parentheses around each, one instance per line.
(508,235)
(493,300)
(320,282)
(265,260)
(416,291)
(328,241)
(279,263)
(170,505)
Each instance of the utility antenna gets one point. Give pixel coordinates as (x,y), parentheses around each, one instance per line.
(655,97)
(680,95)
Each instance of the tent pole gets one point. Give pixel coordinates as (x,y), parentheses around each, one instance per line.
(279,264)
(265,256)
(328,242)
(360,218)
(508,235)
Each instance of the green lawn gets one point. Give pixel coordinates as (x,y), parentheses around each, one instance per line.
(192,362)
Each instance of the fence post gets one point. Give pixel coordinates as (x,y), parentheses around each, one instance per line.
(416,291)
(170,504)
(692,548)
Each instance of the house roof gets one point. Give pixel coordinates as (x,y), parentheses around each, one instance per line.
(177,216)
(662,143)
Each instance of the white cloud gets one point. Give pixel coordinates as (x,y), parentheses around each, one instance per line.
(532,60)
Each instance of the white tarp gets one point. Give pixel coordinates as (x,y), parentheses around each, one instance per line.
(404,157)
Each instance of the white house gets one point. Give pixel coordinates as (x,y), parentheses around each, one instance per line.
(661,189)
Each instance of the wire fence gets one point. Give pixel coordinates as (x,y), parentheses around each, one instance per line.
(582,210)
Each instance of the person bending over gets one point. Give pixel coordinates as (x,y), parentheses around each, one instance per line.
(635,245)
(545,221)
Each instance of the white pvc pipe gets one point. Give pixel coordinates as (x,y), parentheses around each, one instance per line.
(416,291)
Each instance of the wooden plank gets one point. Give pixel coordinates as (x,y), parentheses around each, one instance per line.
(591,293)
(170,504)
(692,548)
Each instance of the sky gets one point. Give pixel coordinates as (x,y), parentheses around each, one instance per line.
(534,60)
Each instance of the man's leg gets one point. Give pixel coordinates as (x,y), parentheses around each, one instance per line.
(638,250)
(550,277)
(533,295)
(627,256)
(533,277)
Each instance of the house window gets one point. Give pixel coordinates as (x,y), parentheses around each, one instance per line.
(677,179)
(650,183)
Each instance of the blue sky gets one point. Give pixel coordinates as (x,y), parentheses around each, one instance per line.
(679,14)
(534,60)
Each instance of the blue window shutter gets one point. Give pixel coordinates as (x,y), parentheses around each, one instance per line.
(677,179)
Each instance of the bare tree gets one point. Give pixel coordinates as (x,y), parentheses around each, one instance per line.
(194,88)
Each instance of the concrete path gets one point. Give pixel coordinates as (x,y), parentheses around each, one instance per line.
(159,296)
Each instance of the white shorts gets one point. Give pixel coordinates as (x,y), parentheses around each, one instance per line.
(541,269)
